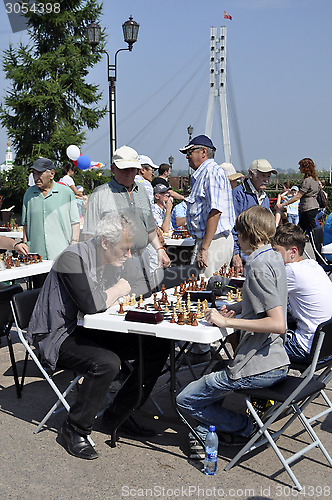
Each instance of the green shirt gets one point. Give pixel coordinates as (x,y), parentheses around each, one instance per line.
(49,219)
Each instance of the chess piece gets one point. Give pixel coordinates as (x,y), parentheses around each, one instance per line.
(194,320)
(181,318)
(133,300)
(121,310)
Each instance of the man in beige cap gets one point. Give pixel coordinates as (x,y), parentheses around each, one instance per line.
(232,175)
(251,192)
(123,196)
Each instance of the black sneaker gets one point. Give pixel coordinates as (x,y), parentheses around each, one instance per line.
(197,451)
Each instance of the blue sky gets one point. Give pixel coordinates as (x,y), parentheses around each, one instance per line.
(279,53)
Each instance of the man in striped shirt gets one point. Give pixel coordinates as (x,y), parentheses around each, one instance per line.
(210,213)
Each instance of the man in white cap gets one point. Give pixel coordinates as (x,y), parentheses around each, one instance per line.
(123,196)
(232,175)
(251,192)
(145,175)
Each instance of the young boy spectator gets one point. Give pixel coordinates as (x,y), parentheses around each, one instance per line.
(309,291)
(162,208)
(260,359)
(293,208)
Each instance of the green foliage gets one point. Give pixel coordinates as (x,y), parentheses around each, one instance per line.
(49,102)
(13,185)
(328,190)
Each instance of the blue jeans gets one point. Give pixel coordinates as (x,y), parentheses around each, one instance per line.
(295,351)
(293,218)
(202,400)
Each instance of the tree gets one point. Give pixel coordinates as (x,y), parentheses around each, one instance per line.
(49,102)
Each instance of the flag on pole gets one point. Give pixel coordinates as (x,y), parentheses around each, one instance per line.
(227,16)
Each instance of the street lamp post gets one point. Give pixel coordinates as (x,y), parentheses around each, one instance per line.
(190,130)
(130,33)
(171,160)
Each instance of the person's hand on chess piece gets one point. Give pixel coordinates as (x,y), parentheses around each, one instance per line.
(227,313)
(219,318)
(10,244)
(119,290)
(21,248)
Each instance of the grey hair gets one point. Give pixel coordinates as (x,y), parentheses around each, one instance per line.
(112,226)
(209,151)
(254,174)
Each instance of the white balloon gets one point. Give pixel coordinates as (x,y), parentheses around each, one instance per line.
(73,152)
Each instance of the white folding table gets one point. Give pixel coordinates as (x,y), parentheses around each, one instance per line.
(25,271)
(17,235)
(110,320)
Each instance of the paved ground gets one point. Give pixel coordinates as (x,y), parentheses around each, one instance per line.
(38,467)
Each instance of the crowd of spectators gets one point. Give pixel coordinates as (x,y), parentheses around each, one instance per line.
(121,244)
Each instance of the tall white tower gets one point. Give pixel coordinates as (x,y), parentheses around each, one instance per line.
(218,87)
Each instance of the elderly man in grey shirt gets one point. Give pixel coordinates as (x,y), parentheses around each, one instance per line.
(123,196)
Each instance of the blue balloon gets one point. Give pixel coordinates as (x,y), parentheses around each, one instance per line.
(83,162)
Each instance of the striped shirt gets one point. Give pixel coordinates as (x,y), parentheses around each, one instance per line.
(210,189)
(159,216)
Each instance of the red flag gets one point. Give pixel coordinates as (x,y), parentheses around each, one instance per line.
(227,16)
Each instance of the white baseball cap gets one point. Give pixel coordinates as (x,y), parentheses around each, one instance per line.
(146,160)
(126,157)
(262,166)
(230,171)
(294,188)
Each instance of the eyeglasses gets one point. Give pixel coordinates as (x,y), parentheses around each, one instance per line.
(190,151)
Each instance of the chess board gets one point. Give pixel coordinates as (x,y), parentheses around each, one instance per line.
(153,310)
(10,262)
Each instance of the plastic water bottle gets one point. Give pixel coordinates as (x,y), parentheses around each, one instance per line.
(211,452)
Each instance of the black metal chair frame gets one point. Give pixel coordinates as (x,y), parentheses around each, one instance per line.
(325,375)
(316,240)
(6,322)
(291,397)
(22,308)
